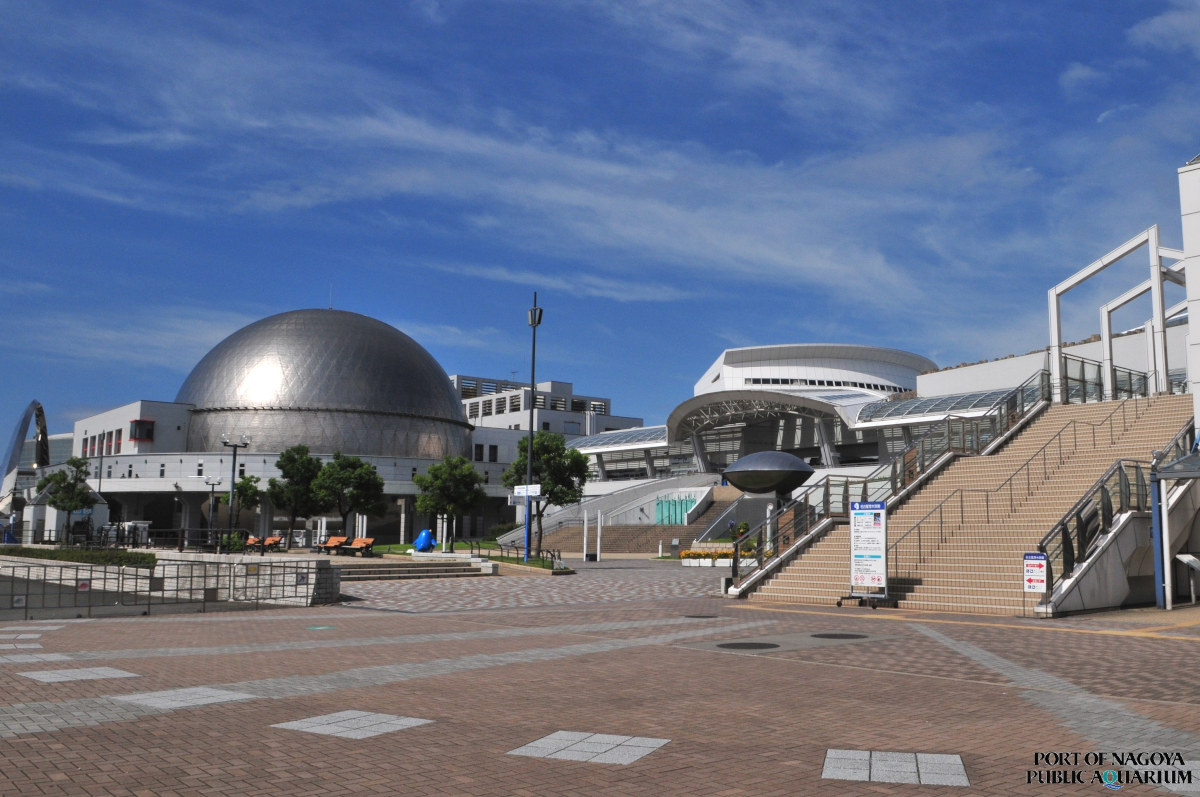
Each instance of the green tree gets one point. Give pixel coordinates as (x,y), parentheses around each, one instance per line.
(450,488)
(248,495)
(294,491)
(67,489)
(348,484)
(561,472)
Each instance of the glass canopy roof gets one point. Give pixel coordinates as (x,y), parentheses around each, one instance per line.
(625,438)
(937,405)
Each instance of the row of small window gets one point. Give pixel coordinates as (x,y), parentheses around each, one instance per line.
(104,444)
(513,404)
(162,471)
(107,444)
(470,388)
(822,383)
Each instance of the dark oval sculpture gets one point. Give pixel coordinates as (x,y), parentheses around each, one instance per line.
(768,472)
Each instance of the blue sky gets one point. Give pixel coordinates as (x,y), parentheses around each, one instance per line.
(673,178)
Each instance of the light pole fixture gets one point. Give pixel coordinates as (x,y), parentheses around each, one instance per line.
(535,319)
(212,482)
(225,441)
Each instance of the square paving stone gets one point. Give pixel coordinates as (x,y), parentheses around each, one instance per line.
(353,724)
(82,674)
(598,748)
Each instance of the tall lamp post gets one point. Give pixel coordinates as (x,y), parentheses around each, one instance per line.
(225,441)
(212,482)
(535,318)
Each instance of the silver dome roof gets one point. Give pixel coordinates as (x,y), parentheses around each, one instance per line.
(330,379)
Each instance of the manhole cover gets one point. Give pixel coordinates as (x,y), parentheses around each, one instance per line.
(839,636)
(747,645)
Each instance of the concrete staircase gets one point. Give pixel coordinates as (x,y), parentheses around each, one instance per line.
(393,571)
(992,510)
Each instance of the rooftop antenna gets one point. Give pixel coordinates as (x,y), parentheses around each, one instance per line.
(331,296)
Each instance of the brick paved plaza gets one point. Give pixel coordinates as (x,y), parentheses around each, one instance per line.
(630,677)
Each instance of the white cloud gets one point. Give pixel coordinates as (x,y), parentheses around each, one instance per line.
(159,337)
(1176,30)
(1119,110)
(13,287)
(1077,77)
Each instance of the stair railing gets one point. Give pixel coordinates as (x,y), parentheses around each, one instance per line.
(916,545)
(792,523)
(1124,487)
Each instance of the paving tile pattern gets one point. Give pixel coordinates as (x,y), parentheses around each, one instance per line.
(598,748)
(220,700)
(353,724)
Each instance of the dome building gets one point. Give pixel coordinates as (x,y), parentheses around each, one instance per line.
(328,379)
(331,380)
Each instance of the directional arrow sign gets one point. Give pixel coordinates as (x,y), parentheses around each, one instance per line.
(1035,572)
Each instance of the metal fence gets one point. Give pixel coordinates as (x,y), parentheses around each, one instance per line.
(66,590)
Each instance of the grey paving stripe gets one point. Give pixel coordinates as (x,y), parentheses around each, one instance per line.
(402,639)
(26,718)
(1110,725)
(41,717)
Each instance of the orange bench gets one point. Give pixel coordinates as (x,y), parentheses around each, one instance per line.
(331,545)
(360,545)
(269,544)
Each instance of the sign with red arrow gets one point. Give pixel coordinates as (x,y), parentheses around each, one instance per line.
(1035,572)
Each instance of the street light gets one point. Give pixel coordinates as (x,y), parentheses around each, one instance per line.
(225,441)
(535,319)
(212,482)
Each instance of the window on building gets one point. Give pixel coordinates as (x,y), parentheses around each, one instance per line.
(118,445)
(487,407)
(545,428)
(162,470)
(142,431)
(489,388)
(539,401)
(108,475)
(558,403)
(599,407)
(108,441)
(494,453)
(479,452)
(514,403)
(469,388)
(578,405)
(200,467)
(473,409)
(241,470)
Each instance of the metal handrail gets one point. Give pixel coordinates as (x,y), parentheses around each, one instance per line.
(771,538)
(1084,522)
(961,493)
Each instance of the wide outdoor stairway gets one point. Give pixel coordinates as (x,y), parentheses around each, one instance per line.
(979,515)
(639,538)
(376,570)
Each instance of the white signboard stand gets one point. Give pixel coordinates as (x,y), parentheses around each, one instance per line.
(868,552)
(1035,572)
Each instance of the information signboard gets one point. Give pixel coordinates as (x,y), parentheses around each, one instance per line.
(868,549)
(531,490)
(1035,572)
